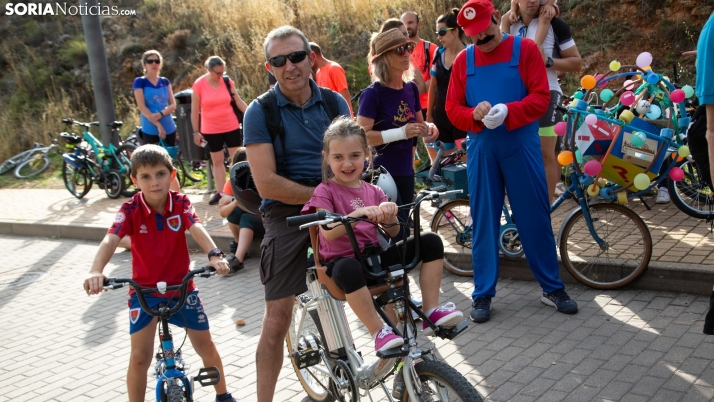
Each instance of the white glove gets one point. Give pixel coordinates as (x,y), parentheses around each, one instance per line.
(495,116)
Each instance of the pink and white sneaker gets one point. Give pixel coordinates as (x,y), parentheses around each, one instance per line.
(386,339)
(446,316)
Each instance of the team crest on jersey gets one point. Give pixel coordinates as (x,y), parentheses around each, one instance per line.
(142,229)
(174,222)
(134,315)
(120,217)
(192,300)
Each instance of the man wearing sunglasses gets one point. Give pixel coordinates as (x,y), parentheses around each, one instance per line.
(286,171)
(422,56)
(497,93)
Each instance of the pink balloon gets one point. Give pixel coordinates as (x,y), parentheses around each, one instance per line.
(592,168)
(677,96)
(628,85)
(598,77)
(560,128)
(676,174)
(590,119)
(627,98)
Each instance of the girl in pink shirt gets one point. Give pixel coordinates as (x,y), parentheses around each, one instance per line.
(219,125)
(342,191)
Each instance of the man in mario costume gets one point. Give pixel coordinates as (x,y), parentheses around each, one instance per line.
(498,90)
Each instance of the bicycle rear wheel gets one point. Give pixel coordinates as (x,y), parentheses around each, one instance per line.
(190,172)
(37,164)
(625,254)
(692,195)
(77,180)
(314,379)
(441,382)
(452,222)
(124,161)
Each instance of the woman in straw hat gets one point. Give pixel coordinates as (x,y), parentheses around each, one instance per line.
(390,112)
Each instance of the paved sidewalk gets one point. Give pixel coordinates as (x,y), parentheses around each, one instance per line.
(682,258)
(625,345)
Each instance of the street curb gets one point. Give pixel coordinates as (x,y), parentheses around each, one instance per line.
(659,276)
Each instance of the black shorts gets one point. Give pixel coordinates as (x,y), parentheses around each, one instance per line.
(447,131)
(232,139)
(553,115)
(154,139)
(283,254)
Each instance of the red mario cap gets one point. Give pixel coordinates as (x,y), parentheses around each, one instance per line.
(475,16)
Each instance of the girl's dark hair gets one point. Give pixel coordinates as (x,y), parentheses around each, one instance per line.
(343,127)
(449,19)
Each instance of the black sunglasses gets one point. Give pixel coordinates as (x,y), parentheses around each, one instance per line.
(401,50)
(443,31)
(152,61)
(294,57)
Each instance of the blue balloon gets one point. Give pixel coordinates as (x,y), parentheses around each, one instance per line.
(652,78)
(654,113)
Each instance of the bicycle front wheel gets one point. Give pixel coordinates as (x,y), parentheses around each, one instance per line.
(123,164)
(441,382)
(37,164)
(624,254)
(452,222)
(190,171)
(315,380)
(692,195)
(77,180)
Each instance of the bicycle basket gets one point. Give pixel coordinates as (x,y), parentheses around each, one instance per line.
(173,151)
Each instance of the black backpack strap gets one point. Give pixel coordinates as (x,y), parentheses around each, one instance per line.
(269,102)
(329,99)
(427,55)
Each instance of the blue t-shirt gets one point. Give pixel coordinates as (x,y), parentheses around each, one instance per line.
(156,98)
(392,108)
(705,61)
(304,130)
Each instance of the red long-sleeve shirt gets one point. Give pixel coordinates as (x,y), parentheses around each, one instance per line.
(532,71)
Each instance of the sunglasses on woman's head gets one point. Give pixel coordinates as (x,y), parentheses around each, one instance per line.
(294,57)
(152,61)
(443,31)
(401,50)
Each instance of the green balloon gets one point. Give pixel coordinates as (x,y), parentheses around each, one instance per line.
(688,91)
(578,156)
(578,95)
(642,181)
(606,95)
(638,139)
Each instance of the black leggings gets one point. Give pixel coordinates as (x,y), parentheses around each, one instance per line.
(349,276)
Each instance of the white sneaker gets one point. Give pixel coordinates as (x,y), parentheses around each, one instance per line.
(560,189)
(662,196)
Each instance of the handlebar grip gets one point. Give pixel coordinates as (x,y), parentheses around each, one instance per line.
(67,121)
(439,189)
(294,221)
(561,108)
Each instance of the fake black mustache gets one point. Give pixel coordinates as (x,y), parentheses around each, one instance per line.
(485,40)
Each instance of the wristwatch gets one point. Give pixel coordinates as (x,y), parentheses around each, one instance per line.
(549,62)
(216,251)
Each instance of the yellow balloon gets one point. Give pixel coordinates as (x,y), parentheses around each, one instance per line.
(593,190)
(642,181)
(602,182)
(588,82)
(648,68)
(615,65)
(626,116)
(565,158)
(683,151)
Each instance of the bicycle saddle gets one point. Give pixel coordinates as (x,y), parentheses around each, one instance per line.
(115,124)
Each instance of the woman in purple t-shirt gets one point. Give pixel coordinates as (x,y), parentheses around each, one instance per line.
(389,112)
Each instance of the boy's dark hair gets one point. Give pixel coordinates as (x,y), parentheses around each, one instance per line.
(239,156)
(150,155)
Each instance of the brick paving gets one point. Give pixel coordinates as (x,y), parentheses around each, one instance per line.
(628,345)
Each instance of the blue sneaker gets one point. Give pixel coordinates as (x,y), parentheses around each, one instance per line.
(481,309)
(561,301)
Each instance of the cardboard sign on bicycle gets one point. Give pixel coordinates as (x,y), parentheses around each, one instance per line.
(594,140)
(640,156)
(622,172)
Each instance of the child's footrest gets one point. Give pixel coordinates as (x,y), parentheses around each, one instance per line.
(391,295)
(451,333)
(401,351)
(208,376)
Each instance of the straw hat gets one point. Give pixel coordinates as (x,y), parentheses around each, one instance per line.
(389,40)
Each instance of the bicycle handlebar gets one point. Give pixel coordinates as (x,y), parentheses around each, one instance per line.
(303,219)
(116,283)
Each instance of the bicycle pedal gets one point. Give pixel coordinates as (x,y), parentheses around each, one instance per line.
(401,351)
(451,333)
(208,376)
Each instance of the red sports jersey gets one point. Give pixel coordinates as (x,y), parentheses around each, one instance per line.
(158,242)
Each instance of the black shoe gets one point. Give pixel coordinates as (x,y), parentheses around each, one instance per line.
(214,200)
(233,247)
(481,310)
(236,265)
(561,301)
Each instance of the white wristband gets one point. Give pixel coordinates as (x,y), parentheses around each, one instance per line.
(394,134)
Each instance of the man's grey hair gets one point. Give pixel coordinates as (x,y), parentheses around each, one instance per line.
(285,32)
(214,61)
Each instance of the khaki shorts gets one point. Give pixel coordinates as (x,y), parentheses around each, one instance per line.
(283,254)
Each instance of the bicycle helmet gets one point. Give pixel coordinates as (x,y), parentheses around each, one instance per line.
(244,190)
(379,176)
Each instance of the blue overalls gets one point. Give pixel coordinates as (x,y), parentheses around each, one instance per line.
(501,158)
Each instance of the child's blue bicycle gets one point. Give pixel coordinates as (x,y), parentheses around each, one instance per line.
(172,382)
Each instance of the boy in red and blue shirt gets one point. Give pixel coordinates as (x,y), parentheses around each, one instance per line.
(155,220)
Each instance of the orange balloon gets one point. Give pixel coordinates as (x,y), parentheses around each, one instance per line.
(588,82)
(565,158)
